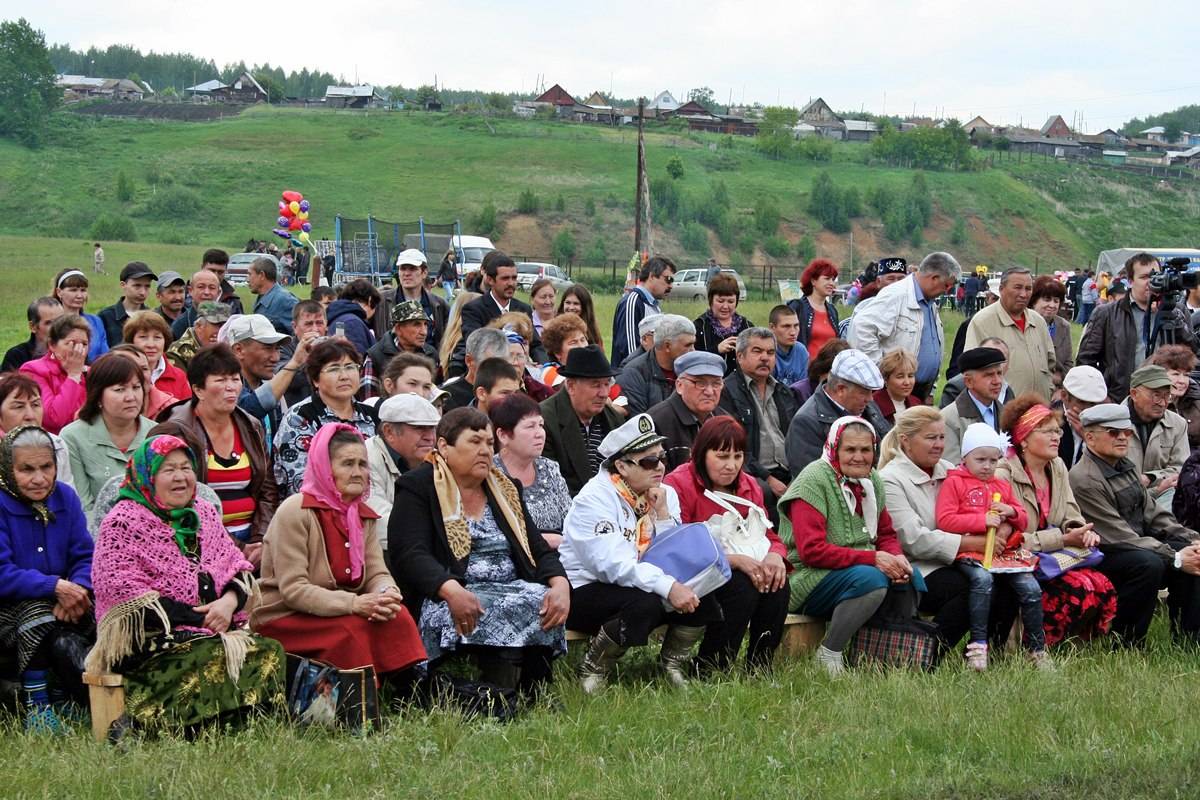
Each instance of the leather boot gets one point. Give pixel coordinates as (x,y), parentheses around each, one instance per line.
(677,650)
(602,655)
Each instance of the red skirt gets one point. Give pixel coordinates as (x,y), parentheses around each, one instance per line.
(350,641)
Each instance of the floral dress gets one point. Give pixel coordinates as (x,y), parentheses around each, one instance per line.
(511,606)
(296,431)
(548,498)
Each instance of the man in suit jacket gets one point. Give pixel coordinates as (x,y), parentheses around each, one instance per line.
(700,379)
(578,417)
(983,373)
(501,272)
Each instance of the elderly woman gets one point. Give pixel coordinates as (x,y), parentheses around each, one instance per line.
(148,331)
(333,367)
(171,588)
(1046,299)
(519,332)
(718,327)
(560,336)
(815,310)
(233,448)
(71,289)
(60,372)
(520,439)
(840,539)
(617,597)
(899,370)
(713,484)
(576,299)
(1080,603)
(1179,361)
(45,576)
(21,404)
(156,400)
(110,425)
(541,297)
(326,592)
(471,563)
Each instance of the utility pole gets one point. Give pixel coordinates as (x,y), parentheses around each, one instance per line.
(641,171)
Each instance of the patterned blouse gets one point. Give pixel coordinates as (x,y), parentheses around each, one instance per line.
(548,499)
(299,425)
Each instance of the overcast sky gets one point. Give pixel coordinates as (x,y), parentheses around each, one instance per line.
(1014,61)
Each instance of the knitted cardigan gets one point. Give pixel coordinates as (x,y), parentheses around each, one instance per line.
(818,485)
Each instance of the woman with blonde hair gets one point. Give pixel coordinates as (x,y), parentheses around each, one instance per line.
(453,334)
(899,370)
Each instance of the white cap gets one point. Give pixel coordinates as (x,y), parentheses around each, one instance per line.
(980,434)
(409,409)
(854,366)
(241,327)
(649,323)
(412,257)
(635,435)
(993,286)
(1086,384)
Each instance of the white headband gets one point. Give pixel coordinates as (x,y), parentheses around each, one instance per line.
(70,274)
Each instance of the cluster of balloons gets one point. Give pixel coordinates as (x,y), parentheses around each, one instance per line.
(293,219)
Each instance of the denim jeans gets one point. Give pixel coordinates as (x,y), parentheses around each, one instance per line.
(1029,598)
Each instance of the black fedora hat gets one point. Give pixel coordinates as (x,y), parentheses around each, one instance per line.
(587,362)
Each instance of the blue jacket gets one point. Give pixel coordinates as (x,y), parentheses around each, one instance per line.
(631,308)
(33,557)
(276,305)
(351,315)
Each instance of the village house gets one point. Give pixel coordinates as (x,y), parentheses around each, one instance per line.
(243,89)
(364,96)
(81,87)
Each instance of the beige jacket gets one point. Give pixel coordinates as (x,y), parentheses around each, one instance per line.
(295,568)
(911,503)
(1030,354)
(384,474)
(1064,511)
(1166,449)
(959,416)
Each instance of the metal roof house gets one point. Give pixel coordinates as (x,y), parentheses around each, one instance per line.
(363,96)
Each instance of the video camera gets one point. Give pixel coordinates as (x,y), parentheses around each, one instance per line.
(1174,277)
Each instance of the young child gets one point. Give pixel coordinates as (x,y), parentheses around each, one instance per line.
(966,505)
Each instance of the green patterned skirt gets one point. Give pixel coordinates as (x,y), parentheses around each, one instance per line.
(186,682)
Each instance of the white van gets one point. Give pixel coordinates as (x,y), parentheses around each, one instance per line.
(471,250)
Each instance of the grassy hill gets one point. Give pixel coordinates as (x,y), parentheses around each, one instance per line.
(202,183)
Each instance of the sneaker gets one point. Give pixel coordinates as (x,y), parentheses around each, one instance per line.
(43,720)
(1042,661)
(977,656)
(831,660)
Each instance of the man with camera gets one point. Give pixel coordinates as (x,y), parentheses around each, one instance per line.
(1121,334)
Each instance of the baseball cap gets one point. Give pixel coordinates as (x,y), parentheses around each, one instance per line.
(214,313)
(409,409)
(252,326)
(411,257)
(170,278)
(136,269)
(1086,383)
(1152,376)
(408,311)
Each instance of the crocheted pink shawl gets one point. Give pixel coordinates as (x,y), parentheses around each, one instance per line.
(136,554)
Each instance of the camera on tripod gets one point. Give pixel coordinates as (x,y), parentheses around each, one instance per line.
(1174,277)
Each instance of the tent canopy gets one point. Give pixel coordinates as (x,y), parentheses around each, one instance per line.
(1113,261)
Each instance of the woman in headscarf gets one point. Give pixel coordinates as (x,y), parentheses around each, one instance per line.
(474,569)
(45,576)
(326,592)
(171,588)
(840,539)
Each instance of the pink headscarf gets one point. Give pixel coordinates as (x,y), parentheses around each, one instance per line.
(318,484)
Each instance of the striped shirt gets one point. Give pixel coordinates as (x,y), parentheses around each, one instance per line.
(230,479)
(593,435)
(636,303)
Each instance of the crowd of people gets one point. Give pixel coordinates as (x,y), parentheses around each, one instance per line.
(193,492)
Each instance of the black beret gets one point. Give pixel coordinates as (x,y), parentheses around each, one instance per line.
(980,358)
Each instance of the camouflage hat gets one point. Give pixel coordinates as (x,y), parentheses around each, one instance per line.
(408,311)
(213,313)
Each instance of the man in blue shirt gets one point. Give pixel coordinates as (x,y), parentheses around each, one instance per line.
(654,283)
(929,356)
(274,302)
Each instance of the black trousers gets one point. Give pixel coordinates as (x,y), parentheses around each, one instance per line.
(1137,576)
(745,607)
(1183,605)
(946,598)
(628,615)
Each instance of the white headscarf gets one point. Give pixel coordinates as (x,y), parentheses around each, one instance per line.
(870,503)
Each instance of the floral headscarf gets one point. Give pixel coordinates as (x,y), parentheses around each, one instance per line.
(138,486)
(319,485)
(859,493)
(8,476)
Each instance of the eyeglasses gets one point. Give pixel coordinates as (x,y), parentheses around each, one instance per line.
(647,462)
(1118,433)
(341,369)
(1055,431)
(704,386)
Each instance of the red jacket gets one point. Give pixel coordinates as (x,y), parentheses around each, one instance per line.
(61,397)
(695,507)
(815,550)
(963,501)
(174,382)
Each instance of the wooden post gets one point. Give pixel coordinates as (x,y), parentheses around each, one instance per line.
(106,693)
(641,171)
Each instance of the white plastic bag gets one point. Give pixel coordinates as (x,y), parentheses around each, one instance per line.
(740,536)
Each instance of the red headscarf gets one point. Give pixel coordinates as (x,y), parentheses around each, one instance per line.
(318,484)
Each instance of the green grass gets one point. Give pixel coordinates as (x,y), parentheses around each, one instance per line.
(1105,726)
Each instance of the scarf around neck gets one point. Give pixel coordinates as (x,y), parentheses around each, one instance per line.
(458,529)
(8,475)
(319,485)
(724,331)
(138,486)
(641,509)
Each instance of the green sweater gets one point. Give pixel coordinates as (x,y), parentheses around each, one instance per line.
(818,485)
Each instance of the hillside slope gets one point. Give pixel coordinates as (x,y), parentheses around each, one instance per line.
(218,182)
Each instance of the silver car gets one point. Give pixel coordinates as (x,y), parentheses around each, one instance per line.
(529,271)
(238,271)
(690,284)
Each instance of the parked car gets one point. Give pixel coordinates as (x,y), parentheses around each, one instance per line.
(690,284)
(238,271)
(530,271)
(471,250)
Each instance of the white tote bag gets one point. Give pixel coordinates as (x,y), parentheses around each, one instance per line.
(740,536)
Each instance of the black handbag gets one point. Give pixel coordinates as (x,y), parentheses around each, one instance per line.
(318,693)
(473,698)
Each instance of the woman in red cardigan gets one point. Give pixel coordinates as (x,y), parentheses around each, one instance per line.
(714,484)
(899,370)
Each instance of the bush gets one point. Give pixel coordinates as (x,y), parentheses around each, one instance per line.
(881,199)
(124,187)
(664,194)
(177,203)
(597,252)
(113,227)
(766,216)
(895,224)
(958,234)
(560,205)
(563,248)
(852,203)
(675,168)
(916,239)
(589,207)
(694,238)
(611,201)
(806,249)
(776,247)
(726,232)
(815,148)
(528,202)
(825,204)
(485,222)
(746,244)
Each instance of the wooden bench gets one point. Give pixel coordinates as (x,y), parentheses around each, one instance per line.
(106,696)
(801,634)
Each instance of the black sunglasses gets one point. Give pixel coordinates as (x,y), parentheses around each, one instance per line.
(648,462)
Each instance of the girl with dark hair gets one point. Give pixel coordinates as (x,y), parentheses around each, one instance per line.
(71,289)
(60,373)
(715,484)
(576,299)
